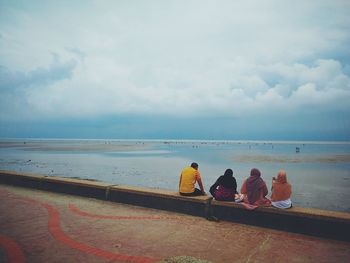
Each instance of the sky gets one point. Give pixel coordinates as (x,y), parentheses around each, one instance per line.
(223,70)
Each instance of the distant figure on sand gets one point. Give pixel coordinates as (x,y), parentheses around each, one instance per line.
(225,187)
(254,190)
(281,191)
(188,178)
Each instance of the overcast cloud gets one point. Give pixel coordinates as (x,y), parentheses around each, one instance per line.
(233,61)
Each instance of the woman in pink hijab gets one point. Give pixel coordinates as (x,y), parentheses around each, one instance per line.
(254,190)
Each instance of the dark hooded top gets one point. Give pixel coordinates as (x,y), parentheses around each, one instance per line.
(226,181)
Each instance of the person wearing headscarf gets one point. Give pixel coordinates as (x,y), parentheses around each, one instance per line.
(281,191)
(225,187)
(254,190)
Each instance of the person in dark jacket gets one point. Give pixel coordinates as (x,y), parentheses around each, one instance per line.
(225,187)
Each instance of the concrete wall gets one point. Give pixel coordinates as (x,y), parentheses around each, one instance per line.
(161,199)
(329,224)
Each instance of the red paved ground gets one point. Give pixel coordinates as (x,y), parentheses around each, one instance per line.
(38,226)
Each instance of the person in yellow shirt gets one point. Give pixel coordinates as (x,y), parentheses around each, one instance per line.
(188,178)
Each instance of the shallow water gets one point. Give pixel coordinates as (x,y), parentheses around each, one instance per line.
(319,172)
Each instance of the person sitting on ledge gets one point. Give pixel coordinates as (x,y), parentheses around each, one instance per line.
(188,178)
(281,191)
(254,190)
(225,188)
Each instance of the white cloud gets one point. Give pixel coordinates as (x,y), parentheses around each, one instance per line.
(176,58)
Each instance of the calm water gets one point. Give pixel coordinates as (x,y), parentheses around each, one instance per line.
(319,172)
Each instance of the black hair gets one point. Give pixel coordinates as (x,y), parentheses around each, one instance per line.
(194,165)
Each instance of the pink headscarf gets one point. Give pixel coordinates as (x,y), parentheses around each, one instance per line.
(254,184)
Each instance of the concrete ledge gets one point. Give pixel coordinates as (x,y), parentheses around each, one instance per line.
(21,179)
(329,224)
(76,187)
(80,187)
(309,221)
(152,198)
(161,199)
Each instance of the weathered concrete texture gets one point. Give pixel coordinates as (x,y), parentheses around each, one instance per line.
(53,227)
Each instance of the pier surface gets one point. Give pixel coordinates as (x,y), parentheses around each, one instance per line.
(42,226)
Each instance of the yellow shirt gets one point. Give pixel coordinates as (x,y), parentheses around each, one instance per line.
(189,176)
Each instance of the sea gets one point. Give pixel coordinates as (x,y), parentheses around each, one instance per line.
(318,171)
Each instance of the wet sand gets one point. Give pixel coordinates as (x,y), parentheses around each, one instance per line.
(330,158)
(77,146)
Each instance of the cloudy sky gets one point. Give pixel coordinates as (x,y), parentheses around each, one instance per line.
(266,70)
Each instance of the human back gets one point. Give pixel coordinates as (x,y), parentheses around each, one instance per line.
(188,178)
(225,187)
(281,191)
(255,190)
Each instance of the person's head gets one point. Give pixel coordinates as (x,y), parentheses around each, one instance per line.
(228,173)
(194,166)
(282,177)
(255,172)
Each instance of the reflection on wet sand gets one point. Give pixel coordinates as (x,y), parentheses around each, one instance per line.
(77,146)
(330,158)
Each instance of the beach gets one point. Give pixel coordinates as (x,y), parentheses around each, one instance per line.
(318,171)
